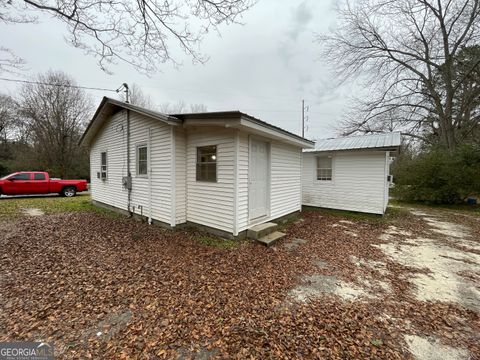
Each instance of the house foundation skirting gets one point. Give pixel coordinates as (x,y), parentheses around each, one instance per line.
(216,232)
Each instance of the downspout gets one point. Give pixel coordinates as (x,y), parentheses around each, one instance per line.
(129,174)
(149,166)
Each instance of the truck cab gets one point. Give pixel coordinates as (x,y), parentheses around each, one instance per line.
(22,183)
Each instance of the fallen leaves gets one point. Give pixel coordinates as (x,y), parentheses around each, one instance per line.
(153,293)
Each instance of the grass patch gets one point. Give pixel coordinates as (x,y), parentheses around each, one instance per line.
(390,214)
(12,207)
(346,214)
(217,242)
(471,209)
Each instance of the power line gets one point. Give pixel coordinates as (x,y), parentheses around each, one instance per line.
(112,90)
(58,85)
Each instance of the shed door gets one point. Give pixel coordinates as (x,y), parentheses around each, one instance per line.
(258,179)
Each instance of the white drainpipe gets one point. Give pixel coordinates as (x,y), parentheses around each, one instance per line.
(149,166)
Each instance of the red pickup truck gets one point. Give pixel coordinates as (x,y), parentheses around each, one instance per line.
(36,182)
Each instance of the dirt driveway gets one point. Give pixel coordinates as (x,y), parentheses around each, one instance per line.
(338,286)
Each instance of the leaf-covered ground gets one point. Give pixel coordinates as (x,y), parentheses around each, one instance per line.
(105,287)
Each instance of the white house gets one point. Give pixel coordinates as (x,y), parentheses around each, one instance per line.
(350,173)
(226,171)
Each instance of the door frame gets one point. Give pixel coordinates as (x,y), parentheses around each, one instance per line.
(269,177)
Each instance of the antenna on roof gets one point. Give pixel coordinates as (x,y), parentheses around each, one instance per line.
(124,87)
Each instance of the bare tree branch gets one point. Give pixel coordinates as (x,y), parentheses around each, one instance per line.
(407,53)
(140,33)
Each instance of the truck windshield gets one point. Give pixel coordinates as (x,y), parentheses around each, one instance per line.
(5,177)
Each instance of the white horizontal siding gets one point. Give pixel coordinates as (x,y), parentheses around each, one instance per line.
(112,138)
(358,182)
(286,185)
(242,182)
(285,181)
(180,177)
(209,203)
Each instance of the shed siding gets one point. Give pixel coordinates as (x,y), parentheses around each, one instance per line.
(113,141)
(180,176)
(358,182)
(242,182)
(285,181)
(112,138)
(211,203)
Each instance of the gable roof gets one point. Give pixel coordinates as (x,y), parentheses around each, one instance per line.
(109,106)
(233,119)
(372,141)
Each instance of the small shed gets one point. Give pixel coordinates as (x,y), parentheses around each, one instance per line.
(226,171)
(350,173)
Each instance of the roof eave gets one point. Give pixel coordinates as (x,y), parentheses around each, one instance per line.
(88,135)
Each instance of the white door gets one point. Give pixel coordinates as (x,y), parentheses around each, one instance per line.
(258,179)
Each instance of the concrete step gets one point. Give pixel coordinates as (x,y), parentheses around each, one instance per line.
(260,230)
(272,238)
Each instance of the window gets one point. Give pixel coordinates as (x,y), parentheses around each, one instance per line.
(39,177)
(23,176)
(207,163)
(103,165)
(142,160)
(324,168)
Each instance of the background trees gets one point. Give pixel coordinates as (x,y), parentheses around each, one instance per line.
(45,124)
(418,59)
(419,63)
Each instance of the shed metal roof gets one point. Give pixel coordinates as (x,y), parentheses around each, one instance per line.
(371,141)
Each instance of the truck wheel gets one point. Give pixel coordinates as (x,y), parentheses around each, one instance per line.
(69,191)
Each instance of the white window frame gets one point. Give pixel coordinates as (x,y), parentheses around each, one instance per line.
(102,170)
(332,168)
(197,164)
(137,161)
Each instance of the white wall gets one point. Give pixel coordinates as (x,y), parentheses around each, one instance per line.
(113,141)
(112,138)
(176,195)
(211,203)
(359,182)
(180,176)
(286,184)
(285,180)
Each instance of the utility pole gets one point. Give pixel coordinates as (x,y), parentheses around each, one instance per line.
(304,117)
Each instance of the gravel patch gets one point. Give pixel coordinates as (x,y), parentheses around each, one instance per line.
(431,349)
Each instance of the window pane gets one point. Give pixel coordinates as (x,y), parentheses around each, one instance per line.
(39,176)
(142,160)
(104,158)
(21,177)
(324,162)
(207,163)
(142,168)
(142,154)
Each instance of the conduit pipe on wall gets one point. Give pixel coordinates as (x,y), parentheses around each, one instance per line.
(149,167)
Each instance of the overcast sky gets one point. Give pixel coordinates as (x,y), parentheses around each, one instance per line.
(264,67)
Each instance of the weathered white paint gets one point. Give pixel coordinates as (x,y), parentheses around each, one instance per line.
(359,182)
